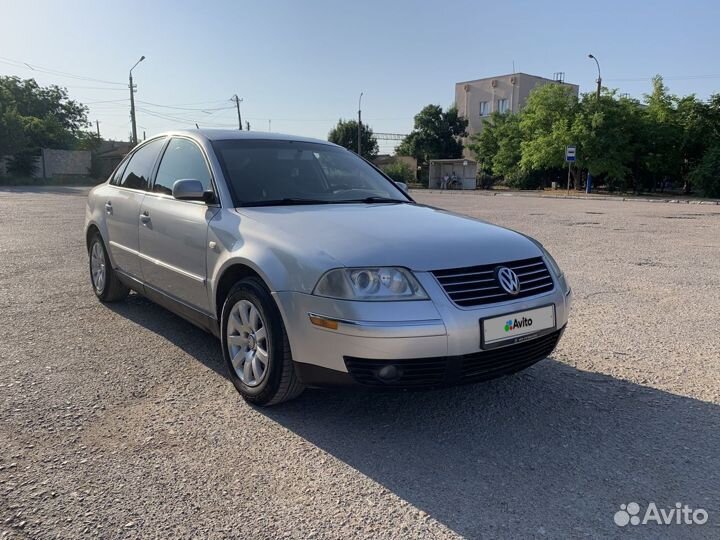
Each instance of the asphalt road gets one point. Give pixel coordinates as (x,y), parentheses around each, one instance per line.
(118,421)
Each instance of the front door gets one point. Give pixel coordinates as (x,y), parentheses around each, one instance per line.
(174,233)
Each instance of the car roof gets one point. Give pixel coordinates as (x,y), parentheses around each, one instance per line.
(230,134)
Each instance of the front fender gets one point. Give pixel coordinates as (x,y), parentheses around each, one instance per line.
(281,263)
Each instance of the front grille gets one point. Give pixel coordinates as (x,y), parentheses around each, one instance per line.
(446,370)
(496,362)
(478,285)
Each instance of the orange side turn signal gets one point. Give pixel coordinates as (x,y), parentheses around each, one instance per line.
(323,322)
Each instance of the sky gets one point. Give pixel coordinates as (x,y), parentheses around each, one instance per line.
(299,66)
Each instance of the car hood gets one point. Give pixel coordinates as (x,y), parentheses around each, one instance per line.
(413,236)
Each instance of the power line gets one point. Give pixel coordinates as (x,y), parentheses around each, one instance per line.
(25,65)
(180,120)
(106,101)
(72,86)
(670,78)
(186,108)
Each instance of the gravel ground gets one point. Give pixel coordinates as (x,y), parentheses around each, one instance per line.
(118,422)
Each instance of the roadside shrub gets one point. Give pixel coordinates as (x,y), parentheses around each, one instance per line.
(706,176)
(22,164)
(400,172)
(485,180)
(524,180)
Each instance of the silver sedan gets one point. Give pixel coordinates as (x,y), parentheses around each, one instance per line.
(313,268)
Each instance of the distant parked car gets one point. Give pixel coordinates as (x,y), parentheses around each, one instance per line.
(313,268)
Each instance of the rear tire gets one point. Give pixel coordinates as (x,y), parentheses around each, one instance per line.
(255,345)
(105,282)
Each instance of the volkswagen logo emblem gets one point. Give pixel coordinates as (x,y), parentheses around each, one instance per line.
(508,280)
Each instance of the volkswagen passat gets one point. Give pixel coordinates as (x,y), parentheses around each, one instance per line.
(313,268)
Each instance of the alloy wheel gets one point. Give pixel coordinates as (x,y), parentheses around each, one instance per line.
(97,266)
(247,343)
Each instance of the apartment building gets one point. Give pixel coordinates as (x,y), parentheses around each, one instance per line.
(477,99)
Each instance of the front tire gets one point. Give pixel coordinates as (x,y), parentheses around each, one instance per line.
(255,345)
(106,284)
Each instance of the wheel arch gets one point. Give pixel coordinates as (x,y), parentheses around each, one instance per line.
(91,230)
(229,277)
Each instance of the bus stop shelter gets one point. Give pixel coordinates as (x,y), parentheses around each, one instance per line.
(464,169)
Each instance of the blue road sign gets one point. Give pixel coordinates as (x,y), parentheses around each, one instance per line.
(570,153)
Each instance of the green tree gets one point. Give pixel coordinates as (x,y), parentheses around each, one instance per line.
(700,122)
(497,146)
(706,174)
(345,133)
(545,124)
(34,117)
(12,136)
(661,156)
(484,145)
(607,133)
(400,172)
(436,135)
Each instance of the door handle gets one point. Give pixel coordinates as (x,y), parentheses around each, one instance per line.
(108,207)
(145,218)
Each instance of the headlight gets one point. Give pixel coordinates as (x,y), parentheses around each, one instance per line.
(554,267)
(552,262)
(562,280)
(381,284)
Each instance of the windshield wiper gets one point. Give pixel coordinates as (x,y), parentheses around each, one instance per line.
(294,201)
(371,200)
(287,201)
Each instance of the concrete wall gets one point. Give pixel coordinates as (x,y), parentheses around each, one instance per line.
(63,162)
(56,163)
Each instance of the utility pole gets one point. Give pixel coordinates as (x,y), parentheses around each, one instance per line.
(599,79)
(132,103)
(247,125)
(237,101)
(97,125)
(360,125)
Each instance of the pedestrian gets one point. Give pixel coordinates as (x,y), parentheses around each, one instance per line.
(444,181)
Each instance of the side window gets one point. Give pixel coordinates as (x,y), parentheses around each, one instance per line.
(182,159)
(117,176)
(139,168)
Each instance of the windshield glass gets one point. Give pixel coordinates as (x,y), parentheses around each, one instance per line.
(264,172)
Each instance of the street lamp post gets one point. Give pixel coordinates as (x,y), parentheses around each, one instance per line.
(132,103)
(599,79)
(360,125)
(588,181)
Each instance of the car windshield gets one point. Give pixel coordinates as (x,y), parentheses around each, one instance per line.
(266,173)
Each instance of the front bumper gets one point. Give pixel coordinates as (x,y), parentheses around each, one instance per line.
(436,332)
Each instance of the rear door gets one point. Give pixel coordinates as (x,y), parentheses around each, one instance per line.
(174,233)
(122,205)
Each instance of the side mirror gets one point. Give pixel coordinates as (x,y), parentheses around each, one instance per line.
(402,185)
(188,190)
